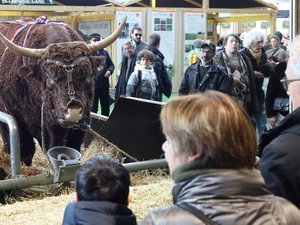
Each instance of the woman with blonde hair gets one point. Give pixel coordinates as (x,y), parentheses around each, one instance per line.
(210,149)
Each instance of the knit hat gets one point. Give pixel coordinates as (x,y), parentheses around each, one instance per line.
(275,36)
(278,34)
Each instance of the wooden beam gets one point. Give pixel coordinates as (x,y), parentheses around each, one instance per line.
(270,5)
(115,3)
(153,3)
(142,4)
(85,18)
(242,18)
(131,2)
(193,2)
(241,11)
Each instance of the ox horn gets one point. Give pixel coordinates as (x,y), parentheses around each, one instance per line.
(30,52)
(108,40)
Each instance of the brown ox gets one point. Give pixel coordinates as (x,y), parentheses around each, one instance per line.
(47,85)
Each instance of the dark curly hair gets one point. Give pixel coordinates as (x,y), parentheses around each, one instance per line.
(146,54)
(103,178)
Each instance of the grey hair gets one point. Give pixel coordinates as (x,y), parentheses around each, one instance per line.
(253,36)
(130,43)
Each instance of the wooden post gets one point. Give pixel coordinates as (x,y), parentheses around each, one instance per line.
(153,3)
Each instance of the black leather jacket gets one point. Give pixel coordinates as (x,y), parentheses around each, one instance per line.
(215,79)
(275,89)
(280,159)
(227,197)
(98,212)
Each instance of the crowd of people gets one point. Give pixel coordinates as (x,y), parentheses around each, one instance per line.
(237,68)
(143,73)
(211,141)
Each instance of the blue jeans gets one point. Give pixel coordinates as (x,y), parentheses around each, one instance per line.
(260,119)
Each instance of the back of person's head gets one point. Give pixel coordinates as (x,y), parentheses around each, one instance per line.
(214,122)
(154,40)
(253,36)
(102,179)
(146,54)
(198,43)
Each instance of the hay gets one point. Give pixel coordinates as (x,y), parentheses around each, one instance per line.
(38,205)
(50,210)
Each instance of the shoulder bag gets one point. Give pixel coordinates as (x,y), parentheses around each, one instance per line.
(281,104)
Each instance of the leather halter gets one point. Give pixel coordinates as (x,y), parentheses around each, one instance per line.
(69,70)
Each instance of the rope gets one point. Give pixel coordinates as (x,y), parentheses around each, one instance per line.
(43,137)
(111,144)
(42,129)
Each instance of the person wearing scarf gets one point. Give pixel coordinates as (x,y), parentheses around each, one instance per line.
(253,48)
(211,150)
(240,70)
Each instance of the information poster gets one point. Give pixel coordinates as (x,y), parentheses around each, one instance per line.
(163,23)
(194,28)
(134,19)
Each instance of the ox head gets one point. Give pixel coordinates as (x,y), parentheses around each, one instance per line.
(66,70)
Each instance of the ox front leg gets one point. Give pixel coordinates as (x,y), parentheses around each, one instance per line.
(27,147)
(75,139)
(53,136)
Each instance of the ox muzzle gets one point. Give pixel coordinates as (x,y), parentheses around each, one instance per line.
(74,108)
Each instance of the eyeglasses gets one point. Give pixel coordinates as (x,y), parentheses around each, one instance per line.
(138,35)
(286,82)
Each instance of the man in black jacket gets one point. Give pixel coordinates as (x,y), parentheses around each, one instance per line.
(101,81)
(165,85)
(280,160)
(205,74)
(127,67)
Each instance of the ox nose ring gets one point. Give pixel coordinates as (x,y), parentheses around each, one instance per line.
(74,104)
(74,111)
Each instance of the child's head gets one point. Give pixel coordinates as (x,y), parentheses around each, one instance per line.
(102,178)
(145,57)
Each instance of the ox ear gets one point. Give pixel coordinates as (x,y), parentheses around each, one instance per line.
(27,71)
